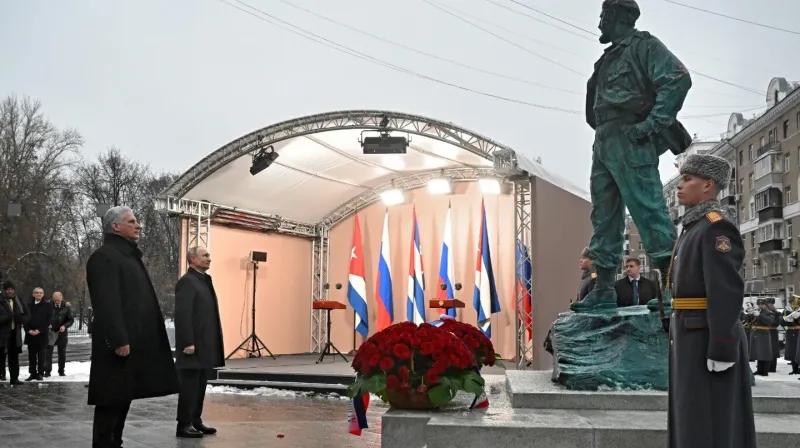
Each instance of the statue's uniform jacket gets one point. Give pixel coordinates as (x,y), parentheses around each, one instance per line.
(635,81)
(760,338)
(709,409)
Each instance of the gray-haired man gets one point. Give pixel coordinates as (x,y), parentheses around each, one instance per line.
(131,355)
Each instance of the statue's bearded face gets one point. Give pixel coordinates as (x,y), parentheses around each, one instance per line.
(607,25)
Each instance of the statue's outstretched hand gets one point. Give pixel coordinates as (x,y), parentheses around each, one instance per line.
(718,366)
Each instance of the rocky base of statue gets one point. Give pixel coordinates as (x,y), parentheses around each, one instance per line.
(621,348)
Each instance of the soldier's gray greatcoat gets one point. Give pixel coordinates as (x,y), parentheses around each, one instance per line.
(790,352)
(709,409)
(588,279)
(760,338)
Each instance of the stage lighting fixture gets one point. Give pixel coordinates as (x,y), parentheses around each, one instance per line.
(393,196)
(384,144)
(489,185)
(263,159)
(439,185)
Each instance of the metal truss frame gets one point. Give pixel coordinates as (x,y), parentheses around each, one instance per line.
(506,164)
(377,120)
(320,264)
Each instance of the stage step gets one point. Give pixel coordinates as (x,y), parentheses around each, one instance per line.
(543,428)
(287,377)
(320,388)
(535,390)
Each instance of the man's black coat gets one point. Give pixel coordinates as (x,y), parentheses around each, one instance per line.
(197,323)
(19,316)
(62,317)
(624,287)
(126,312)
(41,316)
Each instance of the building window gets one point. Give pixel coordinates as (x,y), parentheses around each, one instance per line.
(741,157)
(640,245)
(753,240)
(785,129)
(741,182)
(742,217)
(787,194)
(790,262)
(764,269)
(750,149)
(786,163)
(761,142)
(777,267)
(755,271)
(789,232)
(752,209)
(750,181)
(770,231)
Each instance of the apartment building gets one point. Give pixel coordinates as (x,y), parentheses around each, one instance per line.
(764,189)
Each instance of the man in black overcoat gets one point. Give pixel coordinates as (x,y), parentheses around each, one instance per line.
(37,334)
(710,400)
(62,321)
(131,356)
(761,319)
(773,335)
(633,289)
(198,342)
(13,316)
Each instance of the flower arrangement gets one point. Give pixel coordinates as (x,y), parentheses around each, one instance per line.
(481,346)
(412,366)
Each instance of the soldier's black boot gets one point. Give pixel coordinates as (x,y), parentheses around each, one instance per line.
(795,369)
(773,366)
(603,296)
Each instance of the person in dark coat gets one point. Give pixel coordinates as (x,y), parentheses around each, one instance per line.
(37,334)
(760,320)
(13,316)
(710,397)
(131,354)
(773,335)
(198,342)
(588,274)
(62,321)
(633,289)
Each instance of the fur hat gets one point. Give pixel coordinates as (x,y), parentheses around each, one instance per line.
(587,254)
(708,167)
(630,5)
(770,301)
(8,284)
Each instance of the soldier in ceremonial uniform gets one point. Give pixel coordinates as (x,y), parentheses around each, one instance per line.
(790,322)
(773,335)
(710,400)
(760,320)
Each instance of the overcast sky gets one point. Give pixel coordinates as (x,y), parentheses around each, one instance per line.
(170,81)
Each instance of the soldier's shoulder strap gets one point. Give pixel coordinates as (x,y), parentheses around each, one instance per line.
(594,274)
(714,216)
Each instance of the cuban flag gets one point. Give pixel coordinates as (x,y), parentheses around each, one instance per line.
(357,414)
(446,274)
(415,303)
(524,285)
(484,298)
(383,288)
(356,285)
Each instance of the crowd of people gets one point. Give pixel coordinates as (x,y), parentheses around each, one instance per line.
(40,324)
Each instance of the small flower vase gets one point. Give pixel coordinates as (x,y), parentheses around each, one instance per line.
(410,400)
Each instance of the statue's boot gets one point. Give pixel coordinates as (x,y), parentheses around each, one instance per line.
(666,294)
(603,296)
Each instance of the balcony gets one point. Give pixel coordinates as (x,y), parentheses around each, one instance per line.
(771,246)
(769,198)
(770,146)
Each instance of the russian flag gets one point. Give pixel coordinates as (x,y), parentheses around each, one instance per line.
(357,414)
(415,303)
(383,288)
(446,274)
(357,285)
(485,298)
(524,285)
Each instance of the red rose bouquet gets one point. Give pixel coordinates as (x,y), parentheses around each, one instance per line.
(481,346)
(405,359)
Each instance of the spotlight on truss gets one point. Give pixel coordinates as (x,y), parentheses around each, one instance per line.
(439,185)
(263,159)
(489,185)
(392,197)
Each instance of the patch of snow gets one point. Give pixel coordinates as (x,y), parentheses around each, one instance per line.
(782,373)
(269,392)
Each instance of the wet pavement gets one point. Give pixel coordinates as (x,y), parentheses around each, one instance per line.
(42,415)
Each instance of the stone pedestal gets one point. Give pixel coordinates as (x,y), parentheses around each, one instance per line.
(623,348)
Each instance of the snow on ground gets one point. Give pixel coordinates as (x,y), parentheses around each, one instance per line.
(782,373)
(268,392)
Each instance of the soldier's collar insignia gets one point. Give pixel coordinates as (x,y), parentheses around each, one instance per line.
(714,217)
(723,244)
(594,274)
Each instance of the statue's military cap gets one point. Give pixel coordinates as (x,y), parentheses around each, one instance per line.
(708,167)
(630,5)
